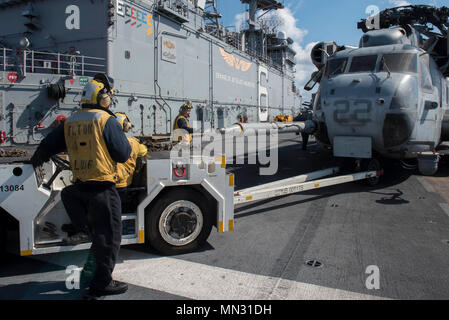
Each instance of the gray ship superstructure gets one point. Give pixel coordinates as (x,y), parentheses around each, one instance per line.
(159,53)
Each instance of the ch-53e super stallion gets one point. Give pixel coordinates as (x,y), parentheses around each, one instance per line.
(389,97)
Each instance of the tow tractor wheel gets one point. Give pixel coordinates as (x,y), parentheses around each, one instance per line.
(178,222)
(371,165)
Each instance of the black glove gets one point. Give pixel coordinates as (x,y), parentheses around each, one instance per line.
(39,157)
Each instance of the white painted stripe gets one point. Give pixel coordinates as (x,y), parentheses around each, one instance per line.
(199,281)
(445,207)
(429,188)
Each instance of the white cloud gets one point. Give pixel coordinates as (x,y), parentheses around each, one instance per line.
(289,25)
(399,3)
(304,65)
(240,20)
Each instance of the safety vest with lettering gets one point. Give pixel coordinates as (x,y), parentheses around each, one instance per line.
(125,170)
(187,137)
(88,154)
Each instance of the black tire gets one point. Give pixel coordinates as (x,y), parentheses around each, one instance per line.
(191,216)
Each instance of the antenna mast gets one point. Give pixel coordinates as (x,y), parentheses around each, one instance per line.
(211,19)
(255,35)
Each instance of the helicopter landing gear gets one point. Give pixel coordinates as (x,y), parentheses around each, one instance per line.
(428,163)
(359,165)
(371,165)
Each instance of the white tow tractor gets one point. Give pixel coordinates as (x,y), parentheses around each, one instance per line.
(172,205)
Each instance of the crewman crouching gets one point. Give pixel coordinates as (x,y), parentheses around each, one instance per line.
(126,171)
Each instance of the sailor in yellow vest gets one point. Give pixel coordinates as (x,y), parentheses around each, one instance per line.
(126,171)
(95,143)
(182,132)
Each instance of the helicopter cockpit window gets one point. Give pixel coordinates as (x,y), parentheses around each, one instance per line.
(363,64)
(399,62)
(426,79)
(336,66)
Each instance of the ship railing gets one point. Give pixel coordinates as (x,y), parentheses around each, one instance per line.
(265,59)
(290,56)
(30,61)
(234,40)
(179,9)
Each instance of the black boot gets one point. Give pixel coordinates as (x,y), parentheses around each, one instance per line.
(114,287)
(77,238)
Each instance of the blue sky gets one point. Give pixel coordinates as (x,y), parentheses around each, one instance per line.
(311,21)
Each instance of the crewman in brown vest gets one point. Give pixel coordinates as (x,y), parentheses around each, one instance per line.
(181,127)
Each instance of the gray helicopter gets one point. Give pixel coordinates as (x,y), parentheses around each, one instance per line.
(388,98)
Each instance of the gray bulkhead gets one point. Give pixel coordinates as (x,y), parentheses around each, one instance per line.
(157,62)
